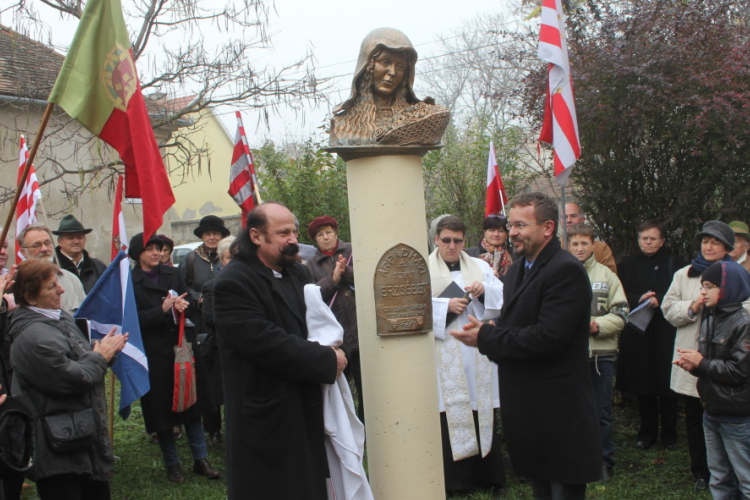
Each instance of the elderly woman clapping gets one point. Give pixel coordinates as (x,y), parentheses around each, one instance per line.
(62,376)
(331,270)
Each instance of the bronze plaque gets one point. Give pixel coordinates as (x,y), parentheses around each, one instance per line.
(403,297)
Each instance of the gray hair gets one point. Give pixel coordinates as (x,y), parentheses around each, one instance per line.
(33,227)
(224,245)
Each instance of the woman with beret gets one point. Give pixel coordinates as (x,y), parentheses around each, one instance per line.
(152,283)
(331,269)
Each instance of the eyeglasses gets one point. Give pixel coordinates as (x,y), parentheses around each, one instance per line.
(522,225)
(708,286)
(37,246)
(456,241)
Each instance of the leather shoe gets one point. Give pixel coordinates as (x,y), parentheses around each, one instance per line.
(643,444)
(203,468)
(174,473)
(701,484)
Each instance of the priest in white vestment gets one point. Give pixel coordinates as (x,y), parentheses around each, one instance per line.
(467,380)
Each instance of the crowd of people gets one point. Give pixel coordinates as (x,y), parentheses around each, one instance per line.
(540,328)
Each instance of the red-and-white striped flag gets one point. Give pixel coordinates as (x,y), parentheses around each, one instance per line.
(560,126)
(26,208)
(119,236)
(496,197)
(243,185)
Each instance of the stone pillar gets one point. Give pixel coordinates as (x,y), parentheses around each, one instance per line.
(404,454)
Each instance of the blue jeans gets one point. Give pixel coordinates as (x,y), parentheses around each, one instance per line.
(196,440)
(728,449)
(602,376)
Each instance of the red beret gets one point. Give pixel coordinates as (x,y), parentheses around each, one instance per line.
(319,222)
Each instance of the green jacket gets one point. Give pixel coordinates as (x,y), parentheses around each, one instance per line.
(609,308)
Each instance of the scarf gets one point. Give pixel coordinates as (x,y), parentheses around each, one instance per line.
(209,256)
(453,384)
(699,264)
(498,258)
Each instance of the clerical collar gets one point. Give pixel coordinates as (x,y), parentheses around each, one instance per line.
(456,266)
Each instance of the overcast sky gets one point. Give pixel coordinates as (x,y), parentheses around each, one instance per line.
(333,31)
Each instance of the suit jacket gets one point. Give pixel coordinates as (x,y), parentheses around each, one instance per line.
(541,347)
(272,376)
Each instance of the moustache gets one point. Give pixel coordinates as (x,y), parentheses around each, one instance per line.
(291,249)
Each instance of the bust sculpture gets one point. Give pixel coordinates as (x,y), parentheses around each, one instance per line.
(382,108)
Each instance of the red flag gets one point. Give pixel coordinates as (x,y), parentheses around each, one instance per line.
(242,181)
(119,236)
(560,126)
(30,193)
(496,197)
(98,86)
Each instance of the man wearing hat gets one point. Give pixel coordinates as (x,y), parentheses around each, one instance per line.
(741,244)
(198,267)
(72,255)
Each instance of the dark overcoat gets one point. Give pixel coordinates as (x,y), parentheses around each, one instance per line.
(644,362)
(272,377)
(345,307)
(57,372)
(160,335)
(90,271)
(541,347)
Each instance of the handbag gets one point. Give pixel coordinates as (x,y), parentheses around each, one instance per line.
(185,394)
(70,431)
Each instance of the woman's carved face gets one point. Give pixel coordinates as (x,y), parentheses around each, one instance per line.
(388,72)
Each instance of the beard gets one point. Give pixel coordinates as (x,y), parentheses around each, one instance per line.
(289,255)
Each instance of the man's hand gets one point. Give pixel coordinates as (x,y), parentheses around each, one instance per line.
(457,306)
(593,327)
(476,289)
(469,333)
(651,297)
(689,359)
(341,361)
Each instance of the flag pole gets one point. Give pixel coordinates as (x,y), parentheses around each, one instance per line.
(564,218)
(111,408)
(25,174)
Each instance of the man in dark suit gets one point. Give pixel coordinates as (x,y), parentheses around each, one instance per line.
(541,347)
(271,372)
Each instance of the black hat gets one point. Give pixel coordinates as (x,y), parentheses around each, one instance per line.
(70,225)
(211,223)
(718,230)
(135,249)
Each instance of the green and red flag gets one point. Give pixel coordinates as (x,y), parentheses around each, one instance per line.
(99,87)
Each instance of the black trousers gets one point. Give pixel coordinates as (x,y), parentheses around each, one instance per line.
(547,490)
(72,487)
(696,439)
(652,410)
(474,471)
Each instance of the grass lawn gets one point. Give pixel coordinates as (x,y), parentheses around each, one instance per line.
(655,474)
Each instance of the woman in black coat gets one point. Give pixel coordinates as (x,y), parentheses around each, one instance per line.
(152,283)
(644,364)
